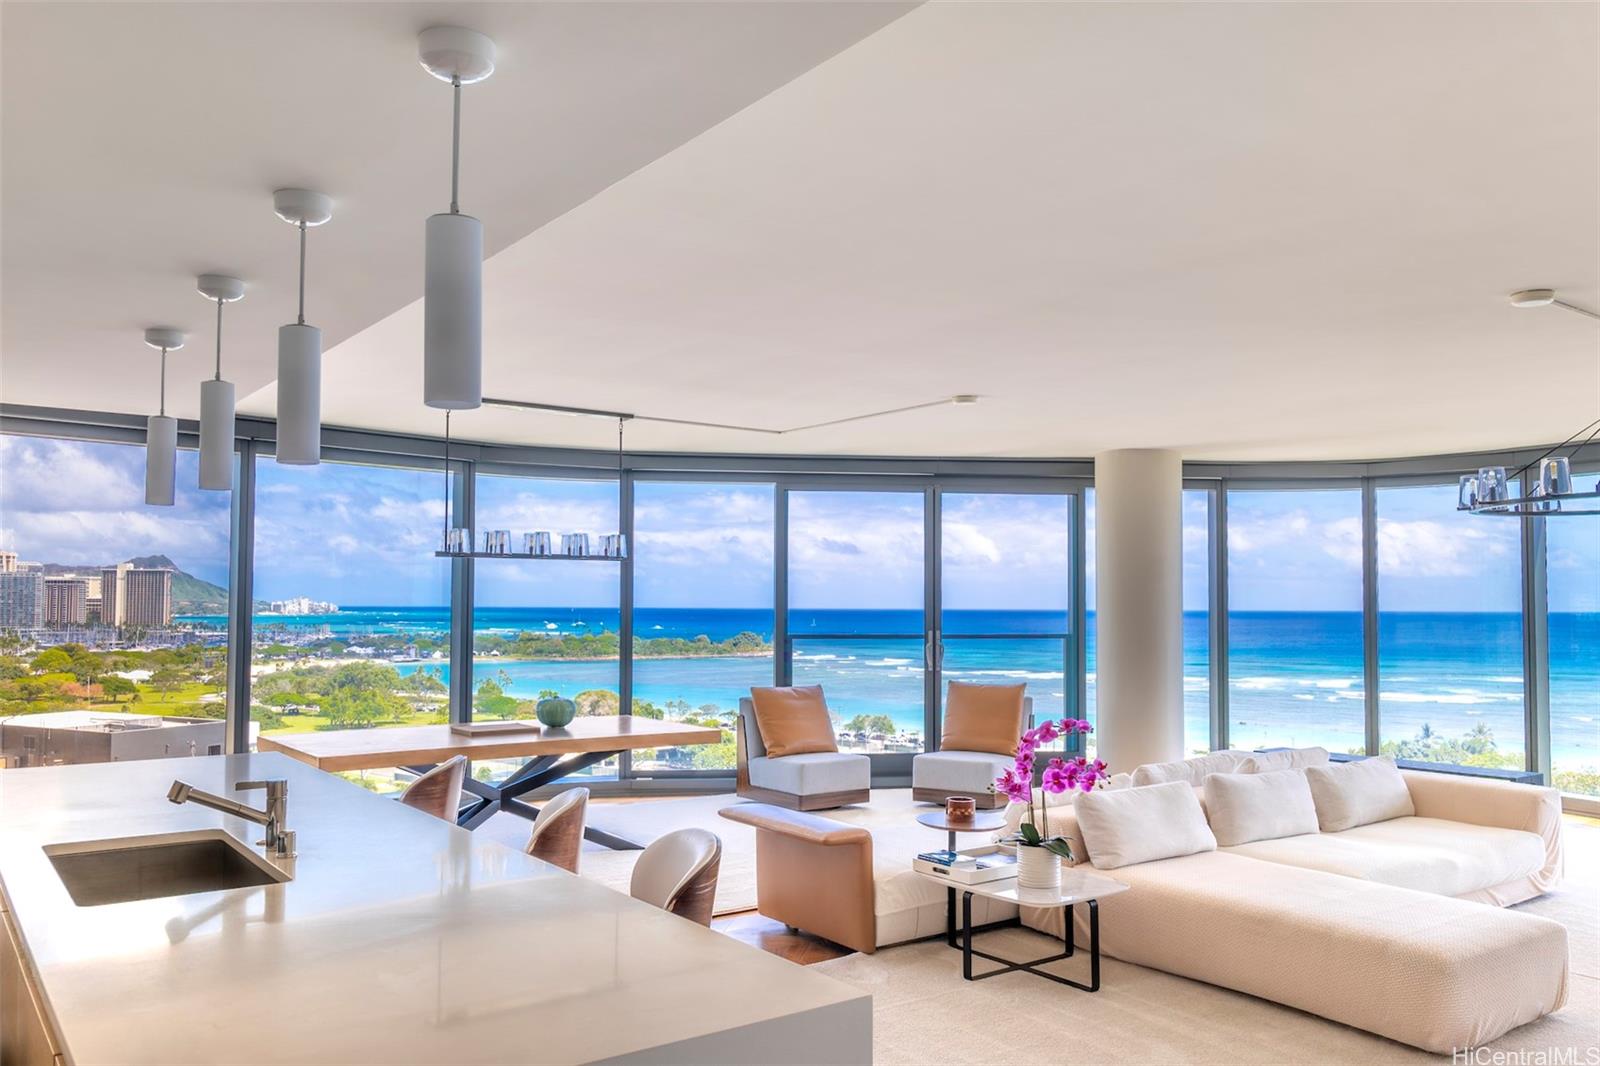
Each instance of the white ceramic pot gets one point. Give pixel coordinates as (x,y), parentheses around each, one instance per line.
(1037,867)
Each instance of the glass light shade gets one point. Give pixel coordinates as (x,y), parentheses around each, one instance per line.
(1468,498)
(1492,484)
(1555,476)
(299,395)
(160,460)
(452,313)
(216,435)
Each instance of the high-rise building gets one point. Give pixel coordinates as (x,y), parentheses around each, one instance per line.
(148,600)
(21,598)
(8,562)
(114,594)
(66,601)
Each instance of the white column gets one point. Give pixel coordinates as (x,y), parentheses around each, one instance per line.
(1138,606)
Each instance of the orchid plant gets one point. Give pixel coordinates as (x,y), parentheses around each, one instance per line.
(1060,775)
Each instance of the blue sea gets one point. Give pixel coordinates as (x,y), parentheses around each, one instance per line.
(1296,678)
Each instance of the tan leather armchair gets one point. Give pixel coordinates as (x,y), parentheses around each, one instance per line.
(812,873)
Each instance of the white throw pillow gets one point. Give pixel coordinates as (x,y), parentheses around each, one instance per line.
(1246,807)
(1194,770)
(1286,759)
(1125,826)
(1359,792)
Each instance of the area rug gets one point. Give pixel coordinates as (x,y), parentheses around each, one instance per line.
(923,1011)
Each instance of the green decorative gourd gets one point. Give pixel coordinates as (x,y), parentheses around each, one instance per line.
(556,711)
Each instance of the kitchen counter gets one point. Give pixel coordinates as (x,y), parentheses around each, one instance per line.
(400,939)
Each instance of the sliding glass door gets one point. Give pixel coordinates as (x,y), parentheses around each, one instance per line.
(1005,594)
(857,621)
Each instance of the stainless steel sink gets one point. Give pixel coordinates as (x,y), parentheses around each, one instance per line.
(96,872)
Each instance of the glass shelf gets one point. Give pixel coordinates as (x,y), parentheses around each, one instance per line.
(530,555)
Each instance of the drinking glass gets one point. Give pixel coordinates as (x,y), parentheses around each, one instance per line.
(541,542)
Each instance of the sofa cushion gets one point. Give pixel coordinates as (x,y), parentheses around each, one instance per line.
(793,720)
(1437,973)
(1285,759)
(1133,825)
(983,718)
(972,772)
(812,774)
(1194,770)
(1246,807)
(1425,854)
(1356,793)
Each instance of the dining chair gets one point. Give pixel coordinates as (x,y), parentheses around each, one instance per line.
(439,790)
(558,831)
(678,873)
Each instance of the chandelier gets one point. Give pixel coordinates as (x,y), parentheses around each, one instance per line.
(1544,487)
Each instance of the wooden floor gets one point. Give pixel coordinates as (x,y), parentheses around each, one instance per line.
(775,937)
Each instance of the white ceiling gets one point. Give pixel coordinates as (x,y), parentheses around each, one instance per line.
(1243,231)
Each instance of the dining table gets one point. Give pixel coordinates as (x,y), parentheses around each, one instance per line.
(547,755)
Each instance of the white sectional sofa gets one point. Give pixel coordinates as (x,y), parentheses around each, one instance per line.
(1396,927)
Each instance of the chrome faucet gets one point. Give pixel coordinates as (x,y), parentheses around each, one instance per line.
(279,841)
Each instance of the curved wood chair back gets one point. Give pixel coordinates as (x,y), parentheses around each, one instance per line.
(558,831)
(678,873)
(439,790)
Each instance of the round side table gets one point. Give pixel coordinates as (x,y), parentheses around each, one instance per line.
(980,822)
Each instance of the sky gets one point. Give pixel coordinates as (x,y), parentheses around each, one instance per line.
(361,535)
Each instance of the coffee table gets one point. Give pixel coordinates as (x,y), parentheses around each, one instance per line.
(1078,885)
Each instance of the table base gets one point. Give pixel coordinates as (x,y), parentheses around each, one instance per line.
(535,773)
(964,944)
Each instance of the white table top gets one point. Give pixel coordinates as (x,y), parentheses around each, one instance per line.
(1079,884)
(400,939)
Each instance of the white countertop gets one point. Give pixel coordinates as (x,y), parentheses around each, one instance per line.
(401,938)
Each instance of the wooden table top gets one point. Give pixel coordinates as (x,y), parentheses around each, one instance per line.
(372,749)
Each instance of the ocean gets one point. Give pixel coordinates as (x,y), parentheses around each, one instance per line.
(1296,677)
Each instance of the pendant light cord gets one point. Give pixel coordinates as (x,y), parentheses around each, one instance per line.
(455,147)
(163,382)
(302,274)
(219,339)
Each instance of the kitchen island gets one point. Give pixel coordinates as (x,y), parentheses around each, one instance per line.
(398,938)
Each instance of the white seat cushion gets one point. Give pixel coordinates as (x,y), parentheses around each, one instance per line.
(813,773)
(971,772)
(1426,854)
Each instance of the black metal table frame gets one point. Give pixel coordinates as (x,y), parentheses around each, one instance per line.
(964,943)
(537,772)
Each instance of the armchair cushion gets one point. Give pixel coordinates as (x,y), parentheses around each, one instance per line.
(793,720)
(986,718)
(958,771)
(813,773)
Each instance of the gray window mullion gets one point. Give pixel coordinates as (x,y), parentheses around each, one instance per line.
(1369,614)
(241,599)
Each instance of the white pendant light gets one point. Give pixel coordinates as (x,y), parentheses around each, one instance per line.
(452,303)
(161,431)
(300,345)
(216,395)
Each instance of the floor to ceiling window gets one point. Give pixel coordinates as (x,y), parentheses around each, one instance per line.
(1572,548)
(1006,593)
(1295,664)
(1450,686)
(352,616)
(113,613)
(703,612)
(856,619)
(1197,505)
(545,628)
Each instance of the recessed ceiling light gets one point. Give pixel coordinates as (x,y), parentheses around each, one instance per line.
(964,399)
(1533,298)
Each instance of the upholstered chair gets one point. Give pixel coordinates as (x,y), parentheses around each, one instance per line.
(982,726)
(678,873)
(558,831)
(810,780)
(439,790)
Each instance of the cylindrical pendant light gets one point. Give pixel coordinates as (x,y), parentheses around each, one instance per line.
(216,395)
(452,303)
(300,345)
(161,431)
